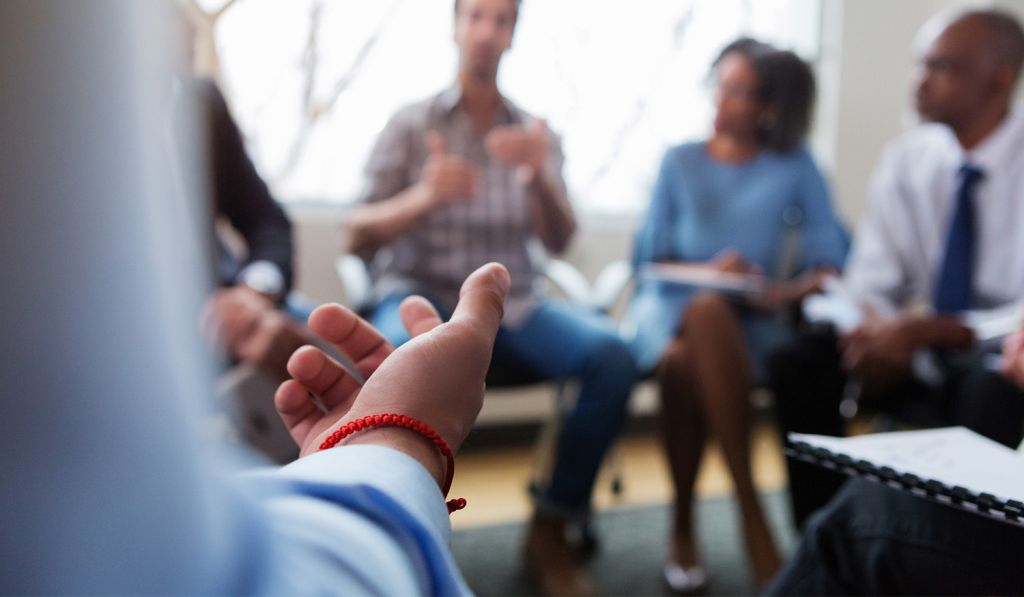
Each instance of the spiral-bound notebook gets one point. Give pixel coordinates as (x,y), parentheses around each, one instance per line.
(953,466)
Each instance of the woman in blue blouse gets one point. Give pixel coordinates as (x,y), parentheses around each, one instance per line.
(749,199)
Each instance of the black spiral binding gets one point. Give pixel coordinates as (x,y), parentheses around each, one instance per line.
(1010,511)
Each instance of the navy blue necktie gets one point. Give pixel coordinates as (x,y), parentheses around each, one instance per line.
(954,287)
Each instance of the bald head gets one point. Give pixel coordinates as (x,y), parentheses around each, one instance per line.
(1002,37)
(970,66)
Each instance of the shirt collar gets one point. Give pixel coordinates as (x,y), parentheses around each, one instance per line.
(1000,145)
(449,99)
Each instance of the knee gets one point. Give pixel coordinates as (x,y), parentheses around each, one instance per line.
(709,307)
(610,355)
(674,361)
(853,502)
(709,304)
(709,315)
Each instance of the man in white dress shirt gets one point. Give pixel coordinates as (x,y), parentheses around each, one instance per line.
(940,244)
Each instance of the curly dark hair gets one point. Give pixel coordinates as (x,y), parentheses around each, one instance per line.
(785,84)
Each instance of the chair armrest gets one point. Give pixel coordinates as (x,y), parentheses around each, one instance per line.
(611,285)
(355,281)
(569,281)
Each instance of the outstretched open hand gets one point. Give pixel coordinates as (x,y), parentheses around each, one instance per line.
(437,377)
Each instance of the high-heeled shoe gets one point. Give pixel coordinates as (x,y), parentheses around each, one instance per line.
(685,580)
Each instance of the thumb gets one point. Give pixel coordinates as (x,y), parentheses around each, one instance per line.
(435,144)
(418,315)
(482,299)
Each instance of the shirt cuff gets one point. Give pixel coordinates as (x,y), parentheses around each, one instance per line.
(263,276)
(392,472)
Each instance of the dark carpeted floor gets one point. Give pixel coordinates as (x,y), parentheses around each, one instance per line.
(631,553)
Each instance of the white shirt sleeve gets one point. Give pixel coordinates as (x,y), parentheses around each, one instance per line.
(876,270)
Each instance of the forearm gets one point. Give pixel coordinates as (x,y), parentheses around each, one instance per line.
(373,225)
(550,213)
(940,332)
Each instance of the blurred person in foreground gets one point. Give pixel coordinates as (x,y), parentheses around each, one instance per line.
(940,246)
(111,483)
(466,177)
(731,204)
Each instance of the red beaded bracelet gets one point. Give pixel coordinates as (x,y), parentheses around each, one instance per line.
(394,420)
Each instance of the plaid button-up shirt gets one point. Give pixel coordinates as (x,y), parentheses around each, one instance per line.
(450,242)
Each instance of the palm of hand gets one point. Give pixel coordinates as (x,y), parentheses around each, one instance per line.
(437,377)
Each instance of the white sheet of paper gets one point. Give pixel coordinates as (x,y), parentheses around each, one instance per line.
(835,306)
(952,455)
(748,286)
(995,324)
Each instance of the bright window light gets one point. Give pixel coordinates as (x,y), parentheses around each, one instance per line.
(312,82)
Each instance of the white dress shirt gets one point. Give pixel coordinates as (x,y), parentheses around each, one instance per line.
(899,247)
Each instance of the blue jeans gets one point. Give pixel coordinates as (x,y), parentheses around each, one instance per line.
(560,343)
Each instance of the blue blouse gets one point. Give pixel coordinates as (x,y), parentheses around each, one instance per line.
(774,209)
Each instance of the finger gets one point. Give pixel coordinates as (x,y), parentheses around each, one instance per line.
(418,315)
(457,176)
(727,260)
(297,411)
(466,183)
(482,299)
(351,334)
(323,376)
(500,142)
(465,188)
(436,146)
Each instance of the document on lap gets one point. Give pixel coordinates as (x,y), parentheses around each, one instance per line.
(748,287)
(834,306)
(992,326)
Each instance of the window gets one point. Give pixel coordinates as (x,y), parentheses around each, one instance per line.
(313,81)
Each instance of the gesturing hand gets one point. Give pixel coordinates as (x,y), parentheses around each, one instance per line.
(231,315)
(437,377)
(881,352)
(730,261)
(446,177)
(520,146)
